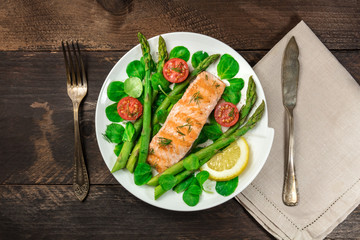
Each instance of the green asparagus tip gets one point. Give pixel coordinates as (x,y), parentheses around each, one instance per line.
(207,61)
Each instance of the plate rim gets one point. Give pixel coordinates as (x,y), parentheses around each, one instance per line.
(268,129)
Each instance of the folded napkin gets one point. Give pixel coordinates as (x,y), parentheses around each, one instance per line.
(327,145)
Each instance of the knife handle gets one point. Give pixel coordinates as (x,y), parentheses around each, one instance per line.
(290,193)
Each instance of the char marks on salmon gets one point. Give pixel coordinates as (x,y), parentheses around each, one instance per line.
(185,121)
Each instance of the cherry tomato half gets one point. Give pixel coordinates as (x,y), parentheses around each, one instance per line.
(129,108)
(226,114)
(176,70)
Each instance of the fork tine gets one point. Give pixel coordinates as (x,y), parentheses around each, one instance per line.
(78,76)
(71,66)
(83,73)
(66,65)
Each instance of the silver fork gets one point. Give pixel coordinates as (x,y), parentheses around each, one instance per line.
(77,89)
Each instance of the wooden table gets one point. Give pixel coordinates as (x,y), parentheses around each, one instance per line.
(36,196)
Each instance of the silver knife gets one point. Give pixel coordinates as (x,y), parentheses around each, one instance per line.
(290,78)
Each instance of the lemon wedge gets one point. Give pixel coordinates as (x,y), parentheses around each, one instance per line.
(228,163)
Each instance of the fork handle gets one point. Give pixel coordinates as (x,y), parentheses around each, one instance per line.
(81,179)
(290,192)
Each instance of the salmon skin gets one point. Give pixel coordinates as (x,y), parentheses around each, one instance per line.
(185,121)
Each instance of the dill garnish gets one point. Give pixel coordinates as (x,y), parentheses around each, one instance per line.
(179,132)
(164,141)
(196,97)
(231,113)
(188,124)
(216,85)
(151,151)
(176,69)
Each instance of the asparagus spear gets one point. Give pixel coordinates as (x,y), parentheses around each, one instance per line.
(163,55)
(146,130)
(251,97)
(206,153)
(124,158)
(179,178)
(179,88)
(133,157)
(127,147)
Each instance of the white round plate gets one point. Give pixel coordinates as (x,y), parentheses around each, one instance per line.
(260,138)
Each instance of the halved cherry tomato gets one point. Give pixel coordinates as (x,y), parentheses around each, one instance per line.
(226,114)
(176,70)
(129,108)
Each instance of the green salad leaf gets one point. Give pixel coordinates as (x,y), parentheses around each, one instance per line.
(158,81)
(136,69)
(133,87)
(201,139)
(115,91)
(236,84)
(198,57)
(129,132)
(167,181)
(193,187)
(191,163)
(112,113)
(228,67)
(232,93)
(162,115)
(191,199)
(142,173)
(226,188)
(182,186)
(202,177)
(192,194)
(180,52)
(118,148)
(114,133)
(212,131)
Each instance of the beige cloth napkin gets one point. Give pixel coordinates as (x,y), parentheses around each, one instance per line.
(327,144)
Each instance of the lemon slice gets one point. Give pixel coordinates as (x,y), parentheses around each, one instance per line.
(228,163)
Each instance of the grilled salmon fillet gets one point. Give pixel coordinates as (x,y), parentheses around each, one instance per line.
(185,121)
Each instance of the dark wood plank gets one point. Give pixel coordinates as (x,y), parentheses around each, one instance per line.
(36,118)
(36,122)
(113,24)
(110,212)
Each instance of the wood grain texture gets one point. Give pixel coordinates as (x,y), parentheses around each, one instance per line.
(36,118)
(52,212)
(36,102)
(113,24)
(110,212)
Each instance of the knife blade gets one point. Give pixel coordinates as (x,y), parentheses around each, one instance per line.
(290,79)
(290,73)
